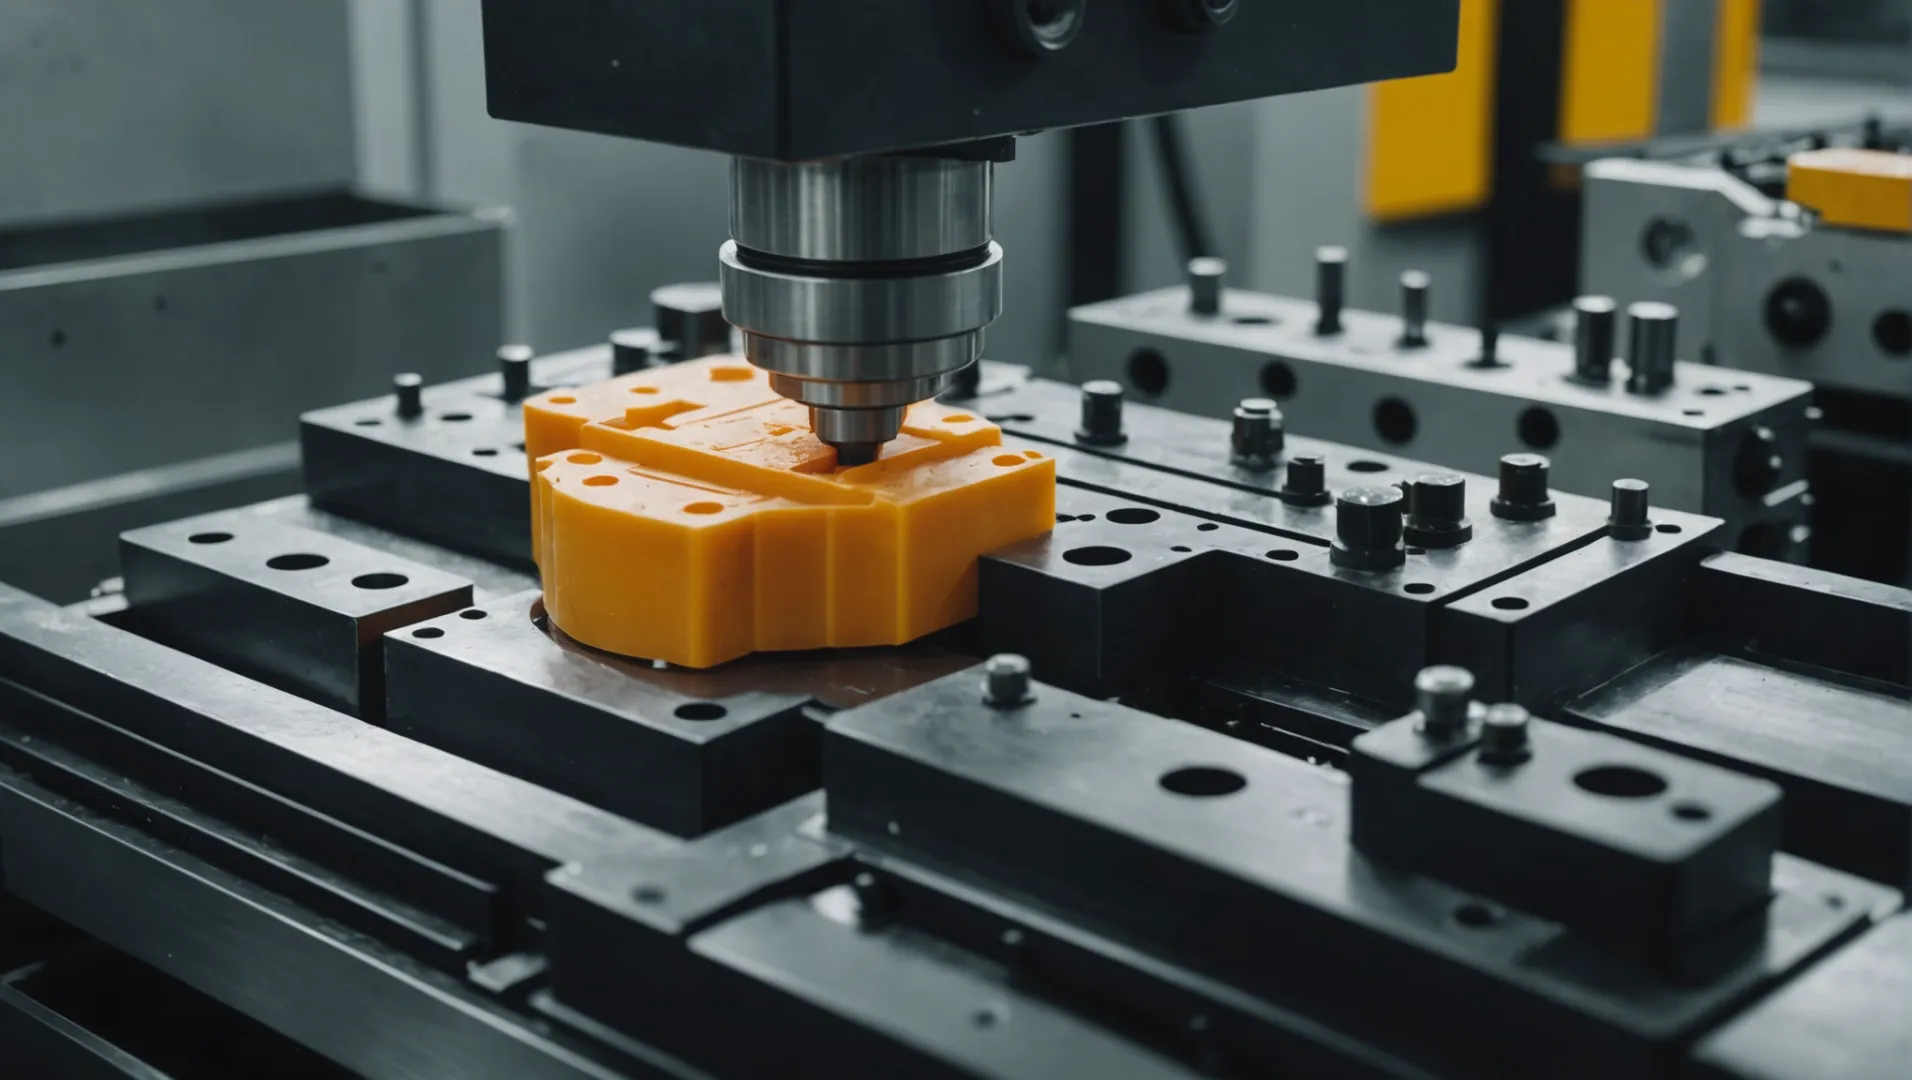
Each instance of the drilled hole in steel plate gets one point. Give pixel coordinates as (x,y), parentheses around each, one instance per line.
(1010,418)
(1065,517)
(1418,588)
(1096,556)
(209,538)
(298,561)
(1277,379)
(1365,465)
(1133,515)
(1692,412)
(484,451)
(1148,372)
(1670,530)
(1713,391)
(648,894)
(1691,811)
(1203,781)
(455,417)
(428,632)
(1207,526)
(1394,421)
(1538,428)
(471,613)
(1284,555)
(1085,517)
(380,581)
(1181,549)
(368,421)
(1254,320)
(1476,916)
(1892,332)
(1620,782)
(1510,603)
(701,710)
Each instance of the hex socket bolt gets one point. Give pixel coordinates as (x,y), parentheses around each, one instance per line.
(1331,288)
(1006,681)
(1307,482)
(409,389)
(1504,735)
(1205,285)
(1443,695)
(1627,516)
(1595,328)
(1652,338)
(1437,511)
(514,365)
(1257,436)
(1523,489)
(1101,414)
(1367,529)
(1414,286)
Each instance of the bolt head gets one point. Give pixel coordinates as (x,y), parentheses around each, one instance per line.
(1006,680)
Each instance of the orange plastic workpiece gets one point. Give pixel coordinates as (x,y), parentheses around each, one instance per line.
(688,514)
(1853,188)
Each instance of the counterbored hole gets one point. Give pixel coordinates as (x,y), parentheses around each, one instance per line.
(1096,556)
(209,538)
(297,562)
(1203,781)
(380,581)
(1133,515)
(1620,782)
(701,710)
